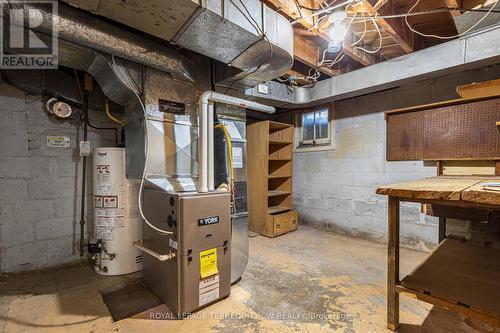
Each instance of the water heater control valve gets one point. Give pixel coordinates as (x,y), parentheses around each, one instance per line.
(94,246)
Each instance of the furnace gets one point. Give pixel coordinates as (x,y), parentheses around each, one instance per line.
(200,271)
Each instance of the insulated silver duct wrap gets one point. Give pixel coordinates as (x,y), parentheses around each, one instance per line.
(228,31)
(81,28)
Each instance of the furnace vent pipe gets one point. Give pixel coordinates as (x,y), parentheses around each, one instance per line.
(206,139)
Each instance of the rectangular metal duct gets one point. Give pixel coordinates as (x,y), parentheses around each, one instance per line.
(468,52)
(222,30)
(159,18)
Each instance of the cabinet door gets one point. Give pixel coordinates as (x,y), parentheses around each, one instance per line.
(285,222)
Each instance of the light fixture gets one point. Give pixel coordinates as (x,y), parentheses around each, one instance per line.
(58,108)
(336,32)
(337,16)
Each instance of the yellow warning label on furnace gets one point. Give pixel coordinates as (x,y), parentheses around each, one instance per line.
(208,263)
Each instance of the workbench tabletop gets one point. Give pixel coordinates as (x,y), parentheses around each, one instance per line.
(449,188)
(478,193)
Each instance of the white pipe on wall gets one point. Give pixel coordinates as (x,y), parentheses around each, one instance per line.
(202,145)
(206,139)
(210,143)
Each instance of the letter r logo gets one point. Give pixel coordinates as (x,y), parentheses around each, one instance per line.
(21,27)
(21,24)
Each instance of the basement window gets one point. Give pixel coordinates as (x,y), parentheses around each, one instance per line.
(313,130)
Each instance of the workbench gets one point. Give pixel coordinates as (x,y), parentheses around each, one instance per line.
(461,276)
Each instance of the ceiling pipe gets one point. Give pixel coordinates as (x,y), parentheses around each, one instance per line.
(206,138)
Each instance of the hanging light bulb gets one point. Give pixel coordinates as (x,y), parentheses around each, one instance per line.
(337,16)
(337,30)
(337,33)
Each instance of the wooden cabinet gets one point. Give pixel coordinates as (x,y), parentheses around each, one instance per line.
(270,152)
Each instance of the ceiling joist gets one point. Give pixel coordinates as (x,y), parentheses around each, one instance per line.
(398,31)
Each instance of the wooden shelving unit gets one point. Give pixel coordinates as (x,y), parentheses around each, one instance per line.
(270,153)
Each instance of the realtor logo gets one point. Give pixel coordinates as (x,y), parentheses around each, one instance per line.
(29,35)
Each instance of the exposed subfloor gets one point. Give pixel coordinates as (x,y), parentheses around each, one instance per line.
(306,281)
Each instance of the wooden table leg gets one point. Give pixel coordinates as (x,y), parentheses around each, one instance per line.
(442,229)
(393,265)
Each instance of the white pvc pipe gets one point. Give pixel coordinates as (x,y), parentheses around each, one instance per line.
(206,139)
(230,100)
(203,147)
(210,143)
(161,257)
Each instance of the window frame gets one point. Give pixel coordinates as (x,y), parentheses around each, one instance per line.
(301,145)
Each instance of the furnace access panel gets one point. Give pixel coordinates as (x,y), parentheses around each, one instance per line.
(201,271)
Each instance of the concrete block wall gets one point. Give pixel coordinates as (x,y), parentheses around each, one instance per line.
(335,190)
(40,187)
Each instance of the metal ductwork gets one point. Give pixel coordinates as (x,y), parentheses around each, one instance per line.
(61,84)
(469,52)
(217,29)
(80,28)
(37,82)
(84,59)
(468,19)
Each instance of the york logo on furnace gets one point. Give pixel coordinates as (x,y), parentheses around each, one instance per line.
(208,220)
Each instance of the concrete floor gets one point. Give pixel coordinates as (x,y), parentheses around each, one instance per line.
(306,281)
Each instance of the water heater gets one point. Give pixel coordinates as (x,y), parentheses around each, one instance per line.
(117,222)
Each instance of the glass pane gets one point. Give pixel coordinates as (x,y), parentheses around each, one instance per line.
(308,126)
(321,124)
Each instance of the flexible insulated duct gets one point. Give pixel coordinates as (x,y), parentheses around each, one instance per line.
(82,28)
(254,40)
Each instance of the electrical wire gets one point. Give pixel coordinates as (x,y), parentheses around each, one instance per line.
(392,16)
(314,73)
(380,40)
(364,32)
(249,17)
(326,10)
(230,153)
(298,8)
(124,77)
(318,21)
(85,117)
(447,37)
(252,22)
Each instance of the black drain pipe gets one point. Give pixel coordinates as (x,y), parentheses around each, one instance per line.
(84,171)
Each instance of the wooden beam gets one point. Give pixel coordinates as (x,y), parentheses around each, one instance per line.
(379,4)
(289,9)
(454,4)
(365,59)
(480,89)
(300,78)
(308,52)
(393,264)
(399,32)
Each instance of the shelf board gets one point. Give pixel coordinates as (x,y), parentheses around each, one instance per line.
(279,176)
(462,273)
(277,142)
(277,209)
(280,159)
(275,193)
(275,125)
